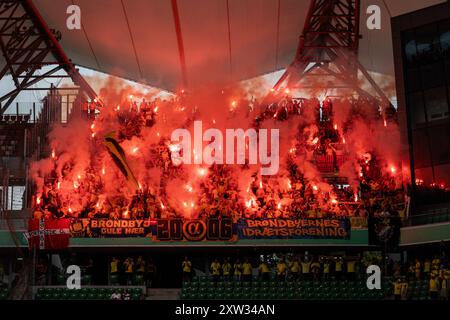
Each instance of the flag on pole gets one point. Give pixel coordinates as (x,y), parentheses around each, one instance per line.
(118,156)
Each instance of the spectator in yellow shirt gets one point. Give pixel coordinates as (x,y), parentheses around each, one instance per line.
(129,268)
(435,264)
(445,285)
(306,266)
(417,269)
(226,269)
(186,267)
(338,266)
(114,266)
(326,268)
(237,270)
(426,268)
(294,268)
(215,270)
(398,289)
(264,271)
(351,270)
(433,287)
(247,271)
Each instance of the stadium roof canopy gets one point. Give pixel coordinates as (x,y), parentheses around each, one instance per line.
(222,39)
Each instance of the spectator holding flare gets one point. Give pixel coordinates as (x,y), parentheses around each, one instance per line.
(264,271)
(186,266)
(247,271)
(237,270)
(215,270)
(226,269)
(281,270)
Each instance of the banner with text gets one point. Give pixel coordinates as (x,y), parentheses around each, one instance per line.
(294,229)
(212,229)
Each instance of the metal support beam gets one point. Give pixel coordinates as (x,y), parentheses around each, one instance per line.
(27,45)
(328,49)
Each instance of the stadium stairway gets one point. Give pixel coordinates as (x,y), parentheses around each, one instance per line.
(203,288)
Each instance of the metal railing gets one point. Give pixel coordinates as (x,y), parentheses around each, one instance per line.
(438,216)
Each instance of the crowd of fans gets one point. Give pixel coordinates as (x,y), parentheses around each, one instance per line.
(125,271)
(377,191)
(435,271)
(282,268)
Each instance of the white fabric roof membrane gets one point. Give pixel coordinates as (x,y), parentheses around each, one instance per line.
(111,27)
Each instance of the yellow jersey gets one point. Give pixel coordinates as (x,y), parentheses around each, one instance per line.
(186,265)
(351,266)
(215,268)
(237,269)
(433,285)
(226,268)
(305,267)
(398,288)
(326,267)
(247,268)
(264,268)
(294,267)
(113,266)
(281,268)
(128,267)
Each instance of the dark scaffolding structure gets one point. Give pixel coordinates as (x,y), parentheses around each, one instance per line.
(28,45)
(31,53)
(327,53)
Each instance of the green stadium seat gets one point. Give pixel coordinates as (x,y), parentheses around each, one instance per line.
(194,296)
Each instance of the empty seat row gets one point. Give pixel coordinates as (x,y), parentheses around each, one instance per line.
(84,293)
